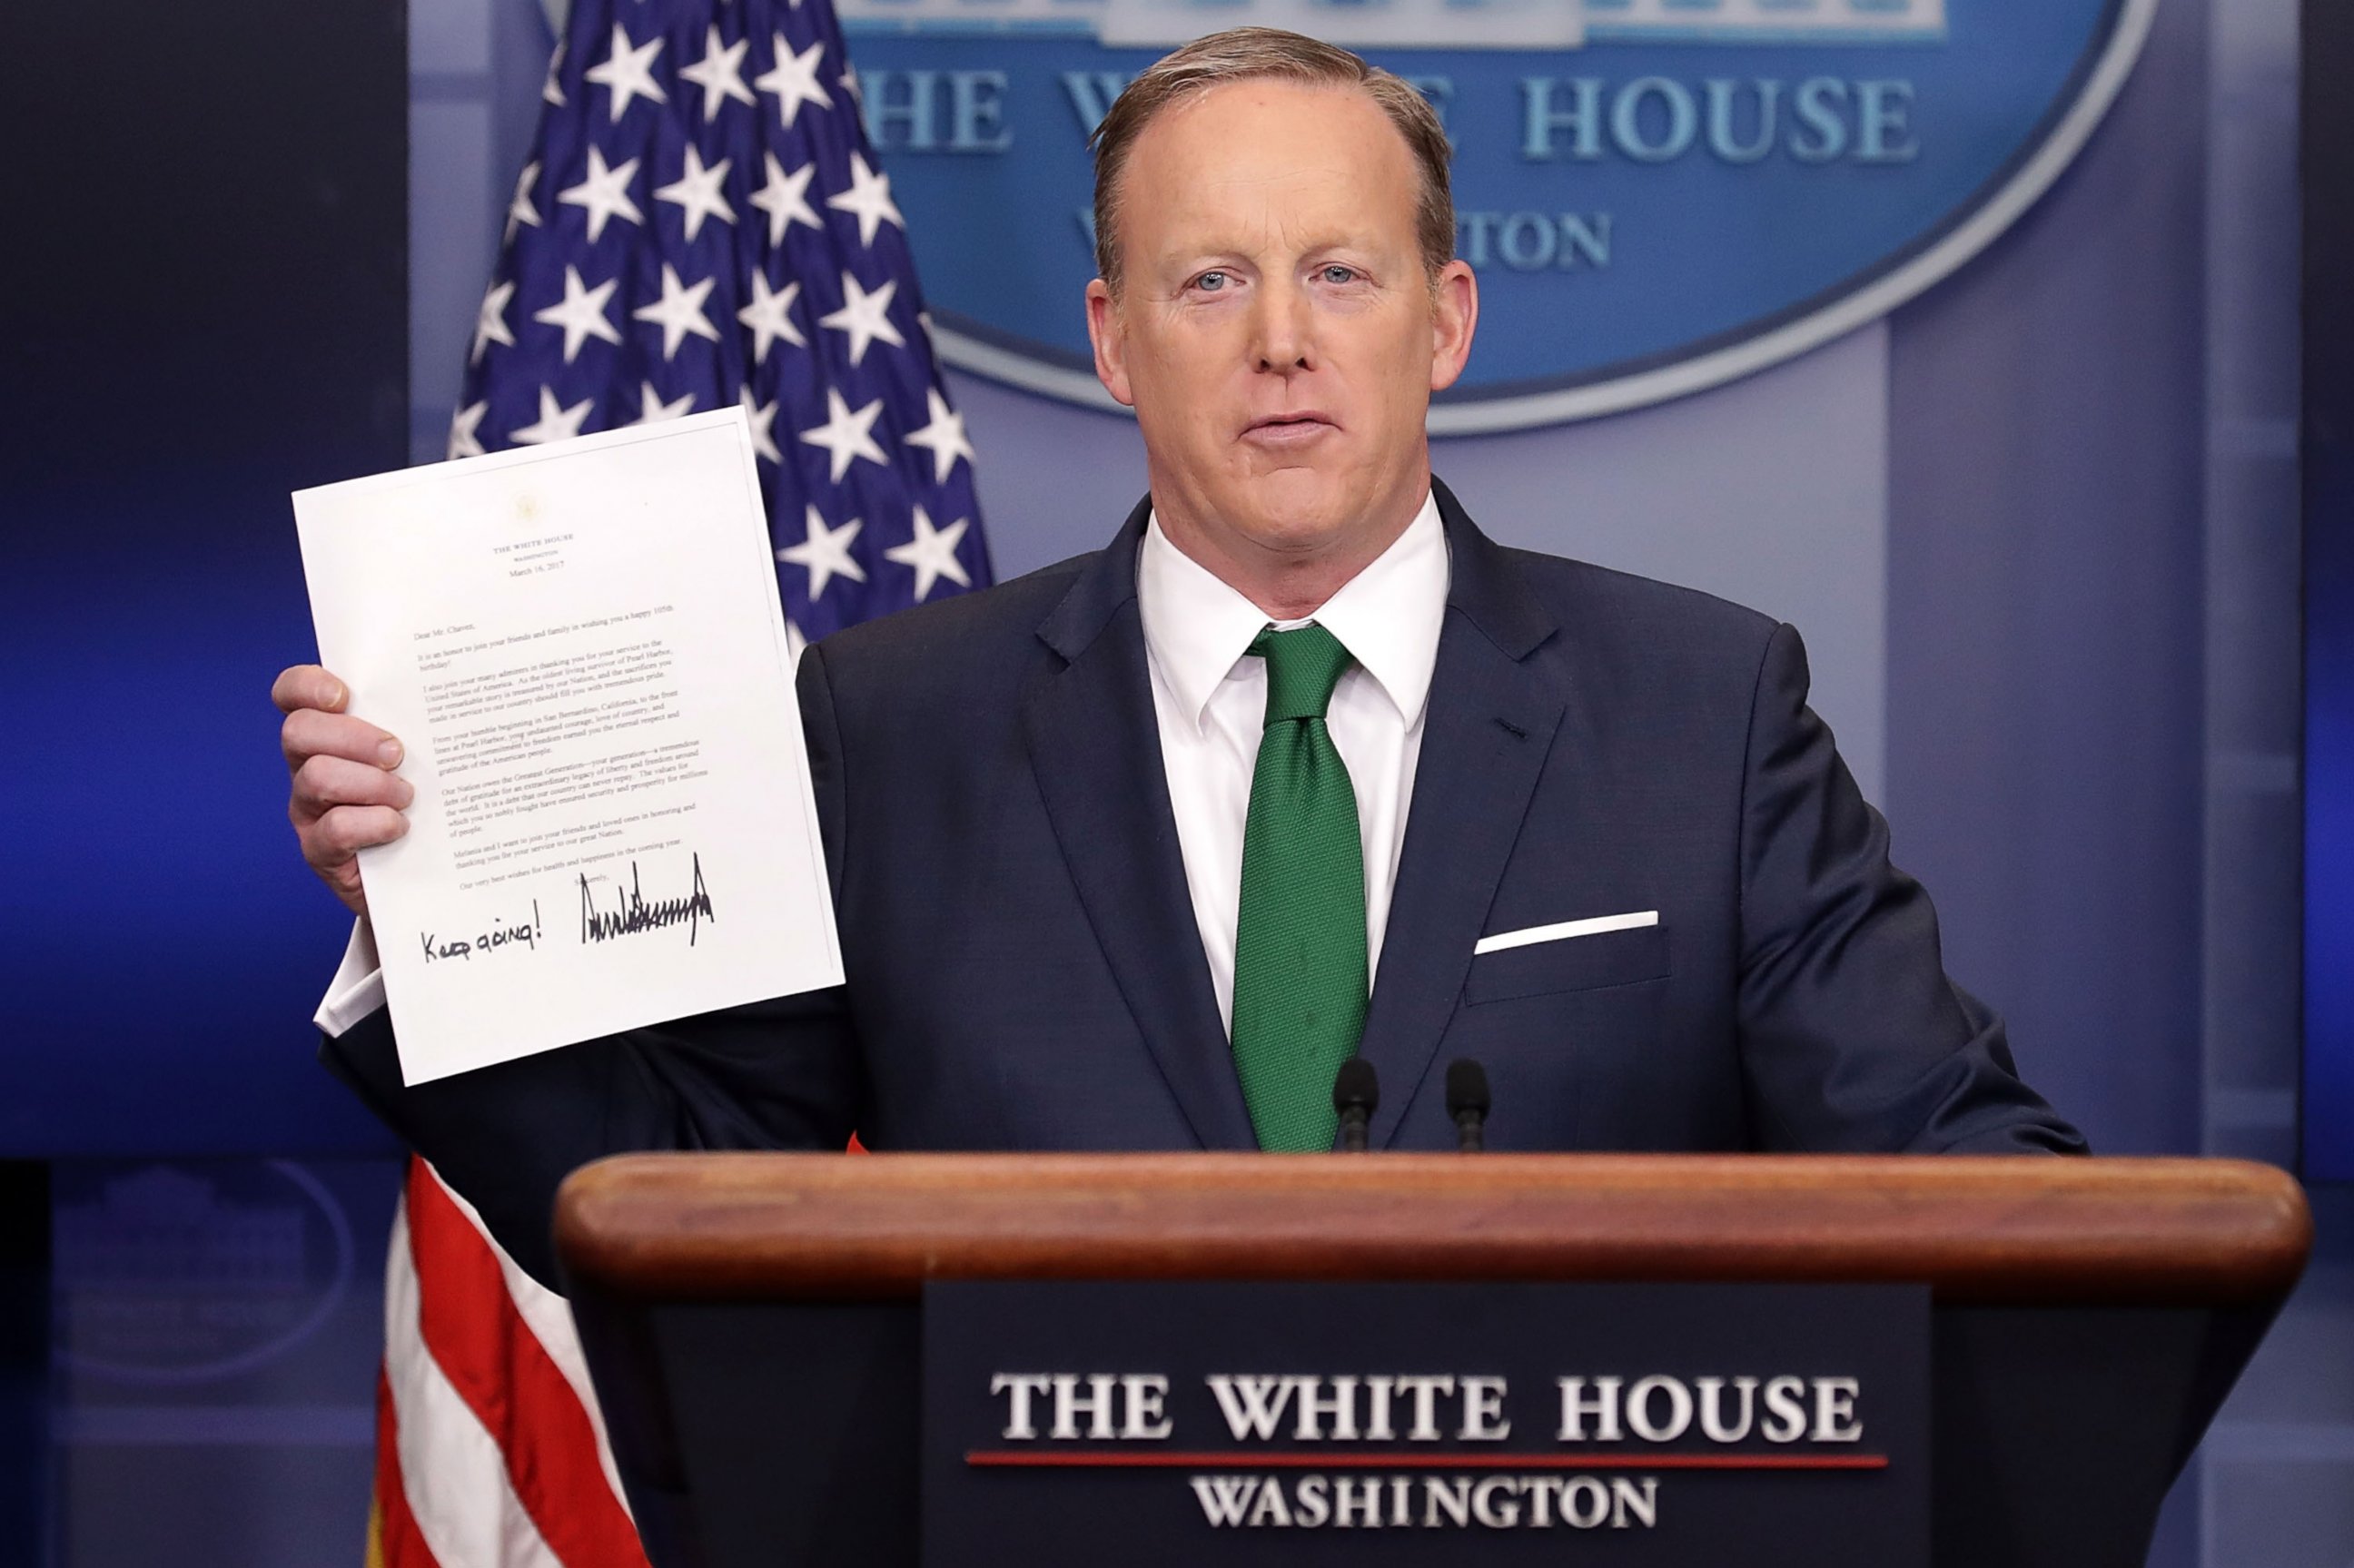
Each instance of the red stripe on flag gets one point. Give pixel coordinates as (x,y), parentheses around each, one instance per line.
(489,1355)
(397,1540)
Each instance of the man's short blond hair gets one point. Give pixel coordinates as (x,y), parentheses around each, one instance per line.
(1253,54)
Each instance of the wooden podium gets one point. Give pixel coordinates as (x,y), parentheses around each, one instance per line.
(752,1322)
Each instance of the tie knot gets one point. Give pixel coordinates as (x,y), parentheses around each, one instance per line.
(1303,665)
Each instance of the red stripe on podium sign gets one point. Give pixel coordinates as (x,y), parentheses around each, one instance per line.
(1291,1459)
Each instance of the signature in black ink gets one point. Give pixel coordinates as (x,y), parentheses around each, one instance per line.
(635,915)
(502,934)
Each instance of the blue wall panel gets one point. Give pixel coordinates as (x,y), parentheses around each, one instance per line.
(204,306)
(2329,1120)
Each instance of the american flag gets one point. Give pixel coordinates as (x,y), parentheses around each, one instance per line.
(702,222)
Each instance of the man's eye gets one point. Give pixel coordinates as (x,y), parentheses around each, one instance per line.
(1336,273)
(1210,281)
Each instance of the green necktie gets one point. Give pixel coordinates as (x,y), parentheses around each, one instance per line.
(1299,945)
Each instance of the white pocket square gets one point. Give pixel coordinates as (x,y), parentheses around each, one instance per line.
(1564,931)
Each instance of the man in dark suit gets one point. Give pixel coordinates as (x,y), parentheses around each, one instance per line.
(1133,851)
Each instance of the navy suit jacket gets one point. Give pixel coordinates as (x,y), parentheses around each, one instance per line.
(1025,971)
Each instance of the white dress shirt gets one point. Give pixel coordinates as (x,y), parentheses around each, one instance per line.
(1210,700)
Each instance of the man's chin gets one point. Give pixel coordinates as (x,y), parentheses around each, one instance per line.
(1294,511)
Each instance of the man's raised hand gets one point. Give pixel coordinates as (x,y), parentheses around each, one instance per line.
(345,796)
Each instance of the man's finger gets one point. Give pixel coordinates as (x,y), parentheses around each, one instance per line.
(309,732)
(308,686)
(322,783)
(342,833)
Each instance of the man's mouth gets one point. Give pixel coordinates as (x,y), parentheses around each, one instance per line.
(1289,430)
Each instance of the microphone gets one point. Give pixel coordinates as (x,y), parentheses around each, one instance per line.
(1355,1091)
(1467,1102)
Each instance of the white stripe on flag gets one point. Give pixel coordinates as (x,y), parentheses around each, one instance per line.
(451,1467)
(549,1317)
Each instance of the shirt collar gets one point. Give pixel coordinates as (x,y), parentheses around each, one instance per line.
(1388,617)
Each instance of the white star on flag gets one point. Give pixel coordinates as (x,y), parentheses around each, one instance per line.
(581,314)
(794,79)
(652,410)
(464,424)
(869,197)
(697,192)
(932,553)
(763,416)
(519,210)
(864,317)
(945,436)
(845,435)
(769,315)
(720,73)
(552,89)
(555,424)
(605,192)
(784,199)
(826,553)
(678,313)
(628,72)
(490,320)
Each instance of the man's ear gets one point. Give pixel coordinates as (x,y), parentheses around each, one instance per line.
(1110,335)
(1455,315)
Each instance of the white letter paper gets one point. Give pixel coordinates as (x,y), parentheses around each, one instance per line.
(581,647)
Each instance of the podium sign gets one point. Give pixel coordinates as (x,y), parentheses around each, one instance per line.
(1073,1423)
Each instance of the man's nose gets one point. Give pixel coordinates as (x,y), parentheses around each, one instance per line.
(1284,329)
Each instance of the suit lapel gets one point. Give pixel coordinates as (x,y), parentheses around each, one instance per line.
(1095,748)
(1492,716)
